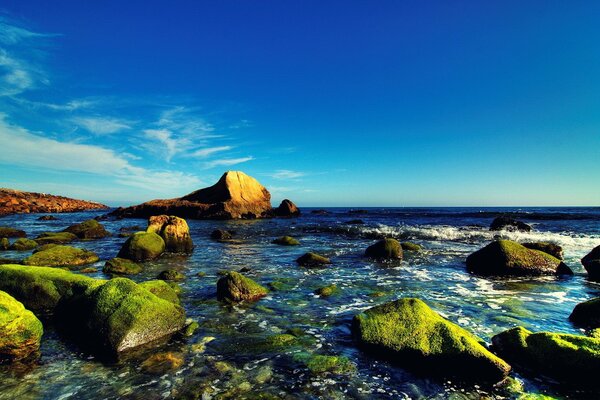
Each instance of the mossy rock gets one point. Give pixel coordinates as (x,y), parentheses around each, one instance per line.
(23,244)
(55,238)
(408,332)
(237,287)
(90,229)
(587,314)
(569,359)
(319,364)
(171,275)
(286,241)
(508,258)
(44,247)
(313,260)
(549,248)
(4,244)
(221,234)
(281,340)
(20,330)
(409,246)
(8,232)
(162,289)
(282,284)
(61,256)
(385,249)
(121,266)
(327,291)
(174,231)
(142,246)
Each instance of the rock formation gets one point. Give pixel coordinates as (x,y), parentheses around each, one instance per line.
(236,195)
(174,231)
(18,202)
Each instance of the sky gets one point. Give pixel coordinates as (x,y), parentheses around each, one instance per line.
(337,103)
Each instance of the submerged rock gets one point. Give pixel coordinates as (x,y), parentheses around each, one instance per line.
(23,244)
(20,330)
(327,291)
(591,263)
(313,260)
(162,363)
(510,224)
(549,248)
(409,246)
(569,359)
(587,314)
(61,256)
(221,234)
(7,232)
(142,246)
(90,229)
(47,218)
(407,331)
(174,231)
(171,275)
(508,258)
(287,209)
(55,238)
(121,266)
(4,244)
(319,364)
(236,287)
(286,241)
(385,249)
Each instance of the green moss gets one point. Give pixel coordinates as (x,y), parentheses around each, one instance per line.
(313,260)
(8,232)
(236,287)
(286,241)
(327,291)
(281,340)
(191,328)
(55,238)
(320,364)
(20,330)
(570,359)
(142,246)
(90,229)
(171,275)
(121,266)
(587,314)
(410,332)
(23,244)
(44,247)
(161,289)
(61,256)
(385,249)
(409,246)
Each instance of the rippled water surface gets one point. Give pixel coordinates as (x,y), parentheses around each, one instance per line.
(225,359)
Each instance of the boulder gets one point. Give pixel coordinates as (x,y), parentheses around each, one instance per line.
(550,248)
(121,266)
(23,244)
(385,249)
(221,234)
(313,260)
(162,289)
(509,224)
(409,246)
(142,246)
(408,332)
(569,359)
(174,231)
(327,291)
(171,275)
(236,287)
(47,218)
(591,263)
(4,243)
(55,238)
(16,202)
(587,314)
(286,241)
(508,258)
(287,209)
(8,232)
(20,330)
(61,256)
(90,229)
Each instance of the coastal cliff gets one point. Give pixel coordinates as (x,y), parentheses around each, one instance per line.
(19,202)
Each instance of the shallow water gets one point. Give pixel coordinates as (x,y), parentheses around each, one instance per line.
(436,275)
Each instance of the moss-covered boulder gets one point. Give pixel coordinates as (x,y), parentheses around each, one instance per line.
(23,244)
(4,244)
(407,331)
(319,364)
(313,260)
(90,229)
(385,249)
(55,238)
(587,314)
(171,275)
(286,241)
(327,291)
(410,246)
(591,263)
(174,231)
(20,330)
(549,248)
(508,258)
(9,232)
(61,256)
(162,289)
(237,287)
(221,234)
(142,246)
(569,359)
(121,266)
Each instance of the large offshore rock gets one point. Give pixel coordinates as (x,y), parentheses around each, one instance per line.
(174,231)
(90,229)
(16,201)
(20,330)
(510,224)
(410,333)
(142,246)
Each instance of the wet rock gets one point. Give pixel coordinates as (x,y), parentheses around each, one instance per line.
(407,331)
(142,246)
(385,249)
(286,241)
(20,330)
(587,314)
(90,229)
(236,287)
(16,202)
(190,328)
(550,248)
(171,275)
(55,238)
(47,218)
(319,364)
(88,270)
(287,209)
(4,244)
(509,224)
(313,260)
(569,359)
(409,246)
(61,256)
(508,258)
(121,266)
(44,247)
(327,291)
(23,244)
(591,263)
(165,290)
(7,232)
(220,234)
(174,231)
(161,363)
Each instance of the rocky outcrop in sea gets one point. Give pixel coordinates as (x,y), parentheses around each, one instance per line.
(19,202)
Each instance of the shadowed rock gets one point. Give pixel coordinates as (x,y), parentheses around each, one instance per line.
(549,248)
(287,209)
(313,260)
(510,224)
(591,263)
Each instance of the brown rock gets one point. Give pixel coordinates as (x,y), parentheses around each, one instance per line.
(17,202)
(174,231)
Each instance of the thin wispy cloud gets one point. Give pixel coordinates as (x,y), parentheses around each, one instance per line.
(102,126)
(286,174)
(227,162)
(201,153)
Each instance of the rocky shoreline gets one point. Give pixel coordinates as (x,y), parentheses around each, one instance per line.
(19,202)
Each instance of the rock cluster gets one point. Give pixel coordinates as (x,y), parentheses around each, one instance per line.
(18,202)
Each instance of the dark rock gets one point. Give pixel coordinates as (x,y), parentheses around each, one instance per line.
(47,218)
(313,260)
(4,244)
(55,238)
(385,249)
(171,275)
(286,241)
(287,209)
(591,263)
(7,232)
(121,266)
(220,234)
(23,244)
(510,224)
(409,246)
(587,314)
(550,248)
(90,229)
(236,287)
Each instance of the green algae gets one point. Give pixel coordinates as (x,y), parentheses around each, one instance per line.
(321,364)
(327,291)
(20,330)
(313,260)
(121,266)
(162,289)
(142,246)
(61,256)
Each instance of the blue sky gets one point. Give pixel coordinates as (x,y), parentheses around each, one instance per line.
(348,103)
